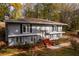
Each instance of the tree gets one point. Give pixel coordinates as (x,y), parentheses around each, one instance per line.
(3,10)
(18,10)
(57,12)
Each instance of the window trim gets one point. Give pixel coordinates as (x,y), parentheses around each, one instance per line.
(27,28)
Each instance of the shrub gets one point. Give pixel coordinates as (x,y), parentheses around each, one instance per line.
(74,44)
(2,30)
(2,44)
(63,40)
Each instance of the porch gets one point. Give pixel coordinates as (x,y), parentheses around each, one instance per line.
(32,38)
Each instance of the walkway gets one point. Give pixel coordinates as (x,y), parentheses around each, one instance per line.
(59,46)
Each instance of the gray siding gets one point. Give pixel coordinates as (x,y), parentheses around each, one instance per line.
(24,40)
(13,29)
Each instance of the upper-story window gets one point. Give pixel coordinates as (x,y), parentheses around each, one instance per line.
(59,28)
(26,28)
(36,28)
(54,28)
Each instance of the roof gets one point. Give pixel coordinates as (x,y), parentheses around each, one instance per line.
(35,21)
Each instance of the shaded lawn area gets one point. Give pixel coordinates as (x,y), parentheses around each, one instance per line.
(48,52)
(45,52)
(8,51)
(64,51)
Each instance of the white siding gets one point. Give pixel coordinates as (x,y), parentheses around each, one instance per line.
(48,29)
(60,28)
(34,29)
(55,35)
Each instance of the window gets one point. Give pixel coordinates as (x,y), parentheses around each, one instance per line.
(58,35)
(12,41)
(32,38)
(34,29)
(19,40)
(55,28)
(52,28)
(60,28)
(25,28)
(38,28)
(28,28)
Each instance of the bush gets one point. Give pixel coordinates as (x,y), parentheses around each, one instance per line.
(2,30)
(2,44)
(63,40)
(26,46)
(74,44)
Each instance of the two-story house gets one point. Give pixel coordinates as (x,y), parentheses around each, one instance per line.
(31,30)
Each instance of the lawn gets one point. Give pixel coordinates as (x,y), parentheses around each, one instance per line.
(7,51)
(48,52)
(64,51)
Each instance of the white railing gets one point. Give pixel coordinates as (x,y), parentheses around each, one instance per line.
(29,34)
(54,32)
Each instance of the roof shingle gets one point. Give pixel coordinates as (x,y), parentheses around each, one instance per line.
(35,21)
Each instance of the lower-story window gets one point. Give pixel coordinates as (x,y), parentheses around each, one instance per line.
(55,36)
(17,40)
(58,35)
(11,41)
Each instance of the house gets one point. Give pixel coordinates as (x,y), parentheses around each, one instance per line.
(31,30)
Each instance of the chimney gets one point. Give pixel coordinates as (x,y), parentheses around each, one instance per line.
(7,17)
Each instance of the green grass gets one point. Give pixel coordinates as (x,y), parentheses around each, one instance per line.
(63,52)
(45,52)
(7,50)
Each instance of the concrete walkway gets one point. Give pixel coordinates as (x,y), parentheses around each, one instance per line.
(65,44)
(59,46)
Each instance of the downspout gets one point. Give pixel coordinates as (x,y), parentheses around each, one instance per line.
(6,17)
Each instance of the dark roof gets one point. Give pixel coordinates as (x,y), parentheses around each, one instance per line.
(35,21)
